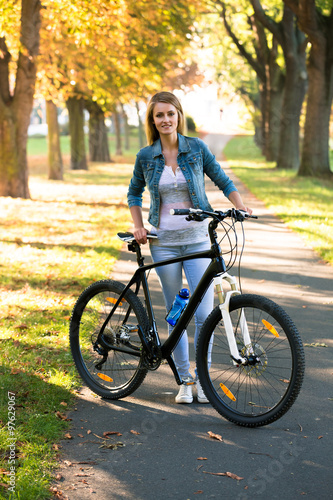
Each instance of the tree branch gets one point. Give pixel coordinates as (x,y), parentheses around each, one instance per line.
(250,59)
(265,20)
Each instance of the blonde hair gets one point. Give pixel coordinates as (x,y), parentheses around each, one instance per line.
(169,98)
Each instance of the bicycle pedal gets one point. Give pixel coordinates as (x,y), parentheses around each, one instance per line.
(188,381)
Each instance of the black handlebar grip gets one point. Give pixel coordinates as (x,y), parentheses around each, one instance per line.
(179,211)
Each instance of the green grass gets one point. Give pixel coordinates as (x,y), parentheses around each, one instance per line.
(51,248)
(38,146)
(304,203)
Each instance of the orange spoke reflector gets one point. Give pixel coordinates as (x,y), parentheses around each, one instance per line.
(227,392)
(270,328)
(104,377)
(113,301)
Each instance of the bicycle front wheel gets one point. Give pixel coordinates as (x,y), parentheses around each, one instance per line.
(263,390)
(108,372)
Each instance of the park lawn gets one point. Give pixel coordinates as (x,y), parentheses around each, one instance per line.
(37,147)
(51,248)
(305,204)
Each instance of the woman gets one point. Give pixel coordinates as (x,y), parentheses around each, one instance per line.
(172,167)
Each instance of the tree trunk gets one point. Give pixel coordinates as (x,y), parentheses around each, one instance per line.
(98,134)
(319,28)
(275,85)
(75,108)
(315,153)
(126,128)
(53,142)
(15,109)
(116,122)
(141,140)
(293,45)
(294,93)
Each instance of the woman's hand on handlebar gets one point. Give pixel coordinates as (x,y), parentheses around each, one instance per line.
(140,235)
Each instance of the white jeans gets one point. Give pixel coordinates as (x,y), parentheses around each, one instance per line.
(170,277)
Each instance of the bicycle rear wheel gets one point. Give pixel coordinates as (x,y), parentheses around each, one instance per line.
(264,390)
(109,373)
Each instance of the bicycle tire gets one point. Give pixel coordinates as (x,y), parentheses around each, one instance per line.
(251,396)
(121,373)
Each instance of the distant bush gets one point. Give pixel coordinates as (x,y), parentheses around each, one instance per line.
(191,126)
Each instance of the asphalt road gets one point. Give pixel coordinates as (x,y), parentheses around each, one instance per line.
(162,445)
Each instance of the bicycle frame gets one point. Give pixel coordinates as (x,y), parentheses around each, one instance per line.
(216,271)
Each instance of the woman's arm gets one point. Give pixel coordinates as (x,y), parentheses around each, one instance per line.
(238,203)
(139,232)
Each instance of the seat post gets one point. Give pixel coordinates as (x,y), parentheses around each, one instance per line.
(135,247)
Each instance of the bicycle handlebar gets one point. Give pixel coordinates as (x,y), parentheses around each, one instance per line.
(233,213)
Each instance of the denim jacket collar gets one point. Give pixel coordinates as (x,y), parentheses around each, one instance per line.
(183,146)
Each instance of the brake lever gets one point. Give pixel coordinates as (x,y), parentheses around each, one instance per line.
(196,217)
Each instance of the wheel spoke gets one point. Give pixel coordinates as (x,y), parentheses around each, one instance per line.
(108,372)
(265,388)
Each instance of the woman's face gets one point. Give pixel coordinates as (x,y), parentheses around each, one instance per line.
(165,118)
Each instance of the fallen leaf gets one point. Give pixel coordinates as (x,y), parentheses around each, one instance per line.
(80,435)
(320,437)
(228,474)
(113,446)
(4,485)
(198,492)
(215,436)
(22,326)
(111,433)
(58,477)
(89,431)
(63,403)
(99,437)
(68,463)
(62,416)
(134,432)
(68,436)
(201,458)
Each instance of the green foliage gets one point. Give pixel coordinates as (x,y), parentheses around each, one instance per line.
(305,204)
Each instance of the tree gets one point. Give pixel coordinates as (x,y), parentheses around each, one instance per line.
(53,142)
(293,43)
(16,105)
(262,55)
(316,21)
(75,106)
(98,134)
(121,49)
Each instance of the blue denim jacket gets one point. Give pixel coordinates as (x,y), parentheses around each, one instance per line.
(194,159)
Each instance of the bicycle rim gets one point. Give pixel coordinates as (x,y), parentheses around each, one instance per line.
(261,392)
(109,373)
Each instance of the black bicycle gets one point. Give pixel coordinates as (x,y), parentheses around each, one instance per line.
(249,356)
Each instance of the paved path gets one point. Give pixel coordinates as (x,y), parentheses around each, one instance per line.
(288,459)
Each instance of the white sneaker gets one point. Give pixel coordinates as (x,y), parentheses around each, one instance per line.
(201,396)
(185,394)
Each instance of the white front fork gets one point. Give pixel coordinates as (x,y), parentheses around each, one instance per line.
(224,300)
